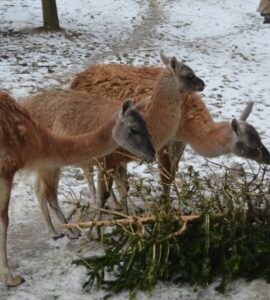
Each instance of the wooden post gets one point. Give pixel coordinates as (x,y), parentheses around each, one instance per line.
(50,15)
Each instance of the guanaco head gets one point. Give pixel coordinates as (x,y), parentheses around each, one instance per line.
(188,81)
(131,133)
(248,143)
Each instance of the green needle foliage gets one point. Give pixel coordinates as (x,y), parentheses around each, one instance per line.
(231,239)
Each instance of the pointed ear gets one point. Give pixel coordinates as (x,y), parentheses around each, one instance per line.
(173,63)
(235,126)
(164,58)
(143,103)
(246,112)
(127,105)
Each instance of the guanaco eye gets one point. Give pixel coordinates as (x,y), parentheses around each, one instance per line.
(134,130)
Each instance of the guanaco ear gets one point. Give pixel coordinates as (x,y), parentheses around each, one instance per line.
(246,112)
(173,63)
(164,58)
(235,126)
(22,130)
(144,102)
(126,106)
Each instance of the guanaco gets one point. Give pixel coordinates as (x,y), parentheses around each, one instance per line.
(76,116)
(196,126)
(26,144)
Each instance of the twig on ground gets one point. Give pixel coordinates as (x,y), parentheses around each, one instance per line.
(126,221)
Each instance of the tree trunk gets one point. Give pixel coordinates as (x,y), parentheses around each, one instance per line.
(50,16)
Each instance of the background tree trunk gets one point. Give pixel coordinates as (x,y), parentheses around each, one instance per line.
(50,16)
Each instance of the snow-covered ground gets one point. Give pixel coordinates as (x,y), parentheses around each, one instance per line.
(224,41)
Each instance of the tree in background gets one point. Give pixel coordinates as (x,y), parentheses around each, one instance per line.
(50,15)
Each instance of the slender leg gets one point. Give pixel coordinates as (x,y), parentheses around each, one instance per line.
(121,179)
(88,173)
(47,185)
(104,186)
(116,203)
(176,150)
(164,165)
(168,158)
(5,187)
(41,193)
(105,176)
(266,20)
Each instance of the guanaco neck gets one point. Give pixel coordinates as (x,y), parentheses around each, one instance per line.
(197,128)
(163,114)
(214,141)
(59,150)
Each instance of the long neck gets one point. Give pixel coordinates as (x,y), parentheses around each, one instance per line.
(164,112)
(198,129)
(214,141)
(67,150)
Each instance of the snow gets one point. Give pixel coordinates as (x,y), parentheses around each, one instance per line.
(224,41)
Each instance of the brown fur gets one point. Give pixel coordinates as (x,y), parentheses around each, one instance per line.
(264,8)
(73,113)
(24,143)
(109,80)
(139,82)
(86,113)
(196,126)
(19,140)
(69,115)
(48,108)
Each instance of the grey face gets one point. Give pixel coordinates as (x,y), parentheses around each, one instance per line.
(191,83)
(132,134)
(188,81)
(249,144)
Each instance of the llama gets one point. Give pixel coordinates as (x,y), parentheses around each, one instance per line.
(196,126)
(26,144)
(76,116)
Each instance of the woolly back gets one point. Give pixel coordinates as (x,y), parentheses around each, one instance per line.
(19,134)
(109,80)
(70,112)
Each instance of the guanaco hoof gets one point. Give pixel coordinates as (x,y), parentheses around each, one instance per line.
(266,20)
(13,281)
(59,236)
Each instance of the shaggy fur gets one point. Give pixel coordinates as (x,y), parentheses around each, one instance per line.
(196,126)
(264,8)
(24,143)
(19,135)
(68,115)
(139,82)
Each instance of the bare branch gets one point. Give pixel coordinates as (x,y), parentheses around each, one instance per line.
(126,221)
